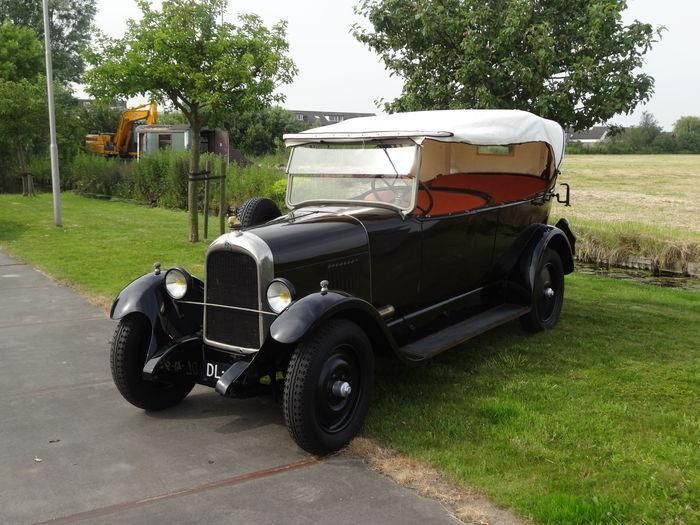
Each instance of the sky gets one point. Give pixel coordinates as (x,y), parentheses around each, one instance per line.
(337,73)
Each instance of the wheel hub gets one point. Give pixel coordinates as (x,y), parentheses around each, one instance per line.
(341,389)
(548,292)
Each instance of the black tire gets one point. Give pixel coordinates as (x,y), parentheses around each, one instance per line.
(257,210)
(128,355)
(319,420)
(546,306)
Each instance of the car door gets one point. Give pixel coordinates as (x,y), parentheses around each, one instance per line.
(457,253)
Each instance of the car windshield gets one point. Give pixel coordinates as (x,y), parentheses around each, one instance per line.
(372,174)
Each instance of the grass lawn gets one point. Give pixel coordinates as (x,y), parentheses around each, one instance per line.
(596,421)
(102,245)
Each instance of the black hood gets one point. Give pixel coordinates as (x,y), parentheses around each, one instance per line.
(323,243)
(310,235)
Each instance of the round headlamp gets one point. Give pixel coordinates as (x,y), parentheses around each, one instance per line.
(279,295)
(177,283)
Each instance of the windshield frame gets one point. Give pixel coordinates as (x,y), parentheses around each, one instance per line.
(403,210)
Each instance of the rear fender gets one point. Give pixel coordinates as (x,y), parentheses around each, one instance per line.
(169,320)
(551,237)
(310,312)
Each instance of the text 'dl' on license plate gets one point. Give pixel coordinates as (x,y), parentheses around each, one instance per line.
(214,370)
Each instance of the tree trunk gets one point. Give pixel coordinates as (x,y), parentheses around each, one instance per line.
(191,184)
(206,200)
(223,204)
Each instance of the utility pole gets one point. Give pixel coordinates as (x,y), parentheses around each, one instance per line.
(55,178)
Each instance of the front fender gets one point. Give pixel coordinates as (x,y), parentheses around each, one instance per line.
(308,313)
(169,320)
(145,295)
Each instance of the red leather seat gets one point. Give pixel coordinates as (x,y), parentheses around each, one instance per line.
(501,188)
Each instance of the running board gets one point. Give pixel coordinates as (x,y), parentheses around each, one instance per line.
(445,339)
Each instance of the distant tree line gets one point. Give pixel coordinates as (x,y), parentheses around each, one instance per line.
(647,137)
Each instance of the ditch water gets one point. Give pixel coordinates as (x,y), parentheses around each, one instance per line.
(666,280)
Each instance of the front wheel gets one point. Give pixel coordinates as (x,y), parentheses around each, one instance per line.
(327,387)
(547,294)
(128,356)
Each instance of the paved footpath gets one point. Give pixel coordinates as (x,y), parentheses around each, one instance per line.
(73,451)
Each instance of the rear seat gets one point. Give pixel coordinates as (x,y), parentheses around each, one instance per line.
(502,188)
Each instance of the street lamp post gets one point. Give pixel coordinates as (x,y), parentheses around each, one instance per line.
(55,177)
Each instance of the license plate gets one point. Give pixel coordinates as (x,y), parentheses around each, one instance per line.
(213,370)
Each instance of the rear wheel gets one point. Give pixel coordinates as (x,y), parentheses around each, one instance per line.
(547,294)
(327,387)
(128,356)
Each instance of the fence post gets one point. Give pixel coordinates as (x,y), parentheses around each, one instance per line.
(206,199)
(222,196)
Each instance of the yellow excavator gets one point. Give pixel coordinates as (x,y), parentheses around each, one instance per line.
(120,144)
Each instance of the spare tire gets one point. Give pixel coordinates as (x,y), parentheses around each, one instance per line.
(257,210)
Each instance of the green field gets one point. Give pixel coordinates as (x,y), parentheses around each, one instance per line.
(626,206)
(596,421)
(657,190)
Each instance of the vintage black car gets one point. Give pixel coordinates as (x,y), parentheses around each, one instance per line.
(407,235)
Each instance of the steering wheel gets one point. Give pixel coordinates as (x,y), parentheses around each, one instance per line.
(431,201)
(389,184)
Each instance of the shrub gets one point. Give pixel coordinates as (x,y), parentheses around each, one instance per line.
(263,178)
(175,191)
(91,174)
(40,168)
(279,192)
(161,179)
(149,179)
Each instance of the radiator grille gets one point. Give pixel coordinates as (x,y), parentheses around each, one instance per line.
(232,280)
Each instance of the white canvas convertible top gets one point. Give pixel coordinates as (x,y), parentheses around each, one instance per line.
(483,127)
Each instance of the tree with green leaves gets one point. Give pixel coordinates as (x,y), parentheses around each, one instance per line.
(21,54)
(643,134)
(71,30)
(99,116)
(573,61)
(260,132)
(23,103)
(687,125)
(23,119)
(687,133)
(186,55)
(22,95)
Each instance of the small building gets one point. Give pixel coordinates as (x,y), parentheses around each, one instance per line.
(178,137)
(323,118)
(594,135)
